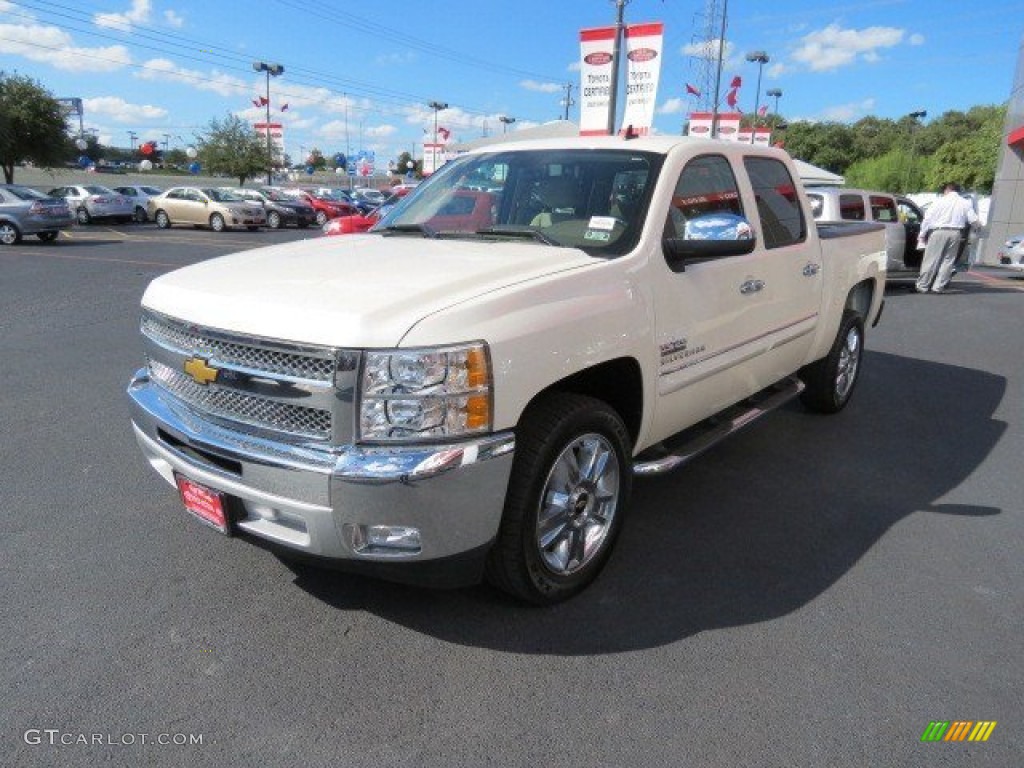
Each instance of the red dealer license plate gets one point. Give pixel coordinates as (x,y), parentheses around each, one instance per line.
(205,503)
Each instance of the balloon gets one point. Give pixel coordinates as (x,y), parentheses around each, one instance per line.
(146,149)
(145,165)
(310,169)
(191,152)
(194,168)
(340,160)
(84,162)
(82,144)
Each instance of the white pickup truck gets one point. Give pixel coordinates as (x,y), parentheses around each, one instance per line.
(468,390)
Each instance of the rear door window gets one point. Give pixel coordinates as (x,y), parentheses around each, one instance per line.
(778,205)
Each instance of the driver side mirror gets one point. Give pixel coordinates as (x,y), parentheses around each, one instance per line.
(709,236)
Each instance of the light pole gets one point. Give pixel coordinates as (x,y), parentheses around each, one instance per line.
(914,117)
(437,106)
(620,6)
(275,70)
(761,58)
(506,121)
(132,136)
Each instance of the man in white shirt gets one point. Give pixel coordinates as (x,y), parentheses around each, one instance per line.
(946,221)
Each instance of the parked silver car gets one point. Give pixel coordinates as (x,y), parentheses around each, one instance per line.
(95,202)
(140,199)
(24,211)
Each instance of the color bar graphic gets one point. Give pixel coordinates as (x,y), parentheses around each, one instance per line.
(958,730)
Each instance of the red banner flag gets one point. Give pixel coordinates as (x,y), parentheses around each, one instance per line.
(736,82)
(263,101)
(690,89)
(284,107)
(730,98)
(256,103)
(763,110)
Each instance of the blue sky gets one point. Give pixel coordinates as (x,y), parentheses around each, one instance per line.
(360,75)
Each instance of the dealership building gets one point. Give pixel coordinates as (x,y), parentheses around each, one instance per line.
(1006,215)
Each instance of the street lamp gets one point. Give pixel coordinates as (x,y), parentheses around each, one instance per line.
(275,70)
(506,122)
(914,117)
(761,58)
(437,106)
(774,93)
(132,136)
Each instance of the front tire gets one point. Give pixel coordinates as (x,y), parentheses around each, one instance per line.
(567,496)
(830,381)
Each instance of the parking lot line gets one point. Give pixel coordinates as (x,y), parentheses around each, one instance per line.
(77,257)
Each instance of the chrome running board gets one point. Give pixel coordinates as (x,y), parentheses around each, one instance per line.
(679,449)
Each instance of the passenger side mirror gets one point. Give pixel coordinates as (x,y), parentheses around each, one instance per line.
(709,236)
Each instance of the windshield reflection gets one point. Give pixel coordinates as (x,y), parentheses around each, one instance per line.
(594,200)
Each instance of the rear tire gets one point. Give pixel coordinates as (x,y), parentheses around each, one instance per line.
(567,496)
(163,221)
(217,223)
(9,233)
(139,216)
(83,216)
(321,218)
(274,220)
(830,381)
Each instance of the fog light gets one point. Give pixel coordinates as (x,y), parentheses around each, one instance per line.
(395,540)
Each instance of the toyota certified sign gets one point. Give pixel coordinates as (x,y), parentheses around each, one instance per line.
(598,58)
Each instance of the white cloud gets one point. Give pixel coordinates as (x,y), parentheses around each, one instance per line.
(834,47)
(55,47)
(139,13)
(845,113)
(120,110)
(165,70)
(916,39)
(396,59)
(533,85)
(174,19)
(574,67)
(777,69)
(672,107)
(5,6)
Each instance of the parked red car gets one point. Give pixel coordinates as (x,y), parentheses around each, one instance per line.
(347,225)
(327,208)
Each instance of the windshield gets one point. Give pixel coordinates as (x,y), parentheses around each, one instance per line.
(94,189)
(595,200)
(223,196)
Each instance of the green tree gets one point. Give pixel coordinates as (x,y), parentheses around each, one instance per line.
(402,165)
(32,125)
(231,146)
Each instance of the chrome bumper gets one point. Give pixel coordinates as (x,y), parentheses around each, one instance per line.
(322,500)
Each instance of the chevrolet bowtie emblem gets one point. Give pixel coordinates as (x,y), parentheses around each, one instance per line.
(200,372)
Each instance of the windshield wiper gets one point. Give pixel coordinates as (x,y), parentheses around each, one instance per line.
(523,232)
(419,229)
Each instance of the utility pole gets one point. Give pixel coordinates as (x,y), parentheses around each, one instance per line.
(620,6)
(132,136)
(718,71)
(567,99)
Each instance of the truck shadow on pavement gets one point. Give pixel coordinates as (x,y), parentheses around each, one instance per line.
(752,530)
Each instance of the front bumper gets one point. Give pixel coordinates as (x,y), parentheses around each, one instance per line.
(320,501)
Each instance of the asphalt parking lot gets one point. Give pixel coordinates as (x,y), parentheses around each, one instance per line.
(813,592)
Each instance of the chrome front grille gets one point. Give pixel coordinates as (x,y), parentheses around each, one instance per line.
(239,406)
(299,365)
(257,385)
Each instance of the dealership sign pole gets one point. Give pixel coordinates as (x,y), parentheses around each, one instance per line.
(596,80)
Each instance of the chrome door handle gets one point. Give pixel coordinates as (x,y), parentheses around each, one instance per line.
(810,270)
(751,286)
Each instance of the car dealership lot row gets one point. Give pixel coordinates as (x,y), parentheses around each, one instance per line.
(817,590)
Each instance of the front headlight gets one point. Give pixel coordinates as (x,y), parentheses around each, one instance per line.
(425,394)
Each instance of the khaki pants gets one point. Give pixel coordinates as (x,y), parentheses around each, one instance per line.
(939,258)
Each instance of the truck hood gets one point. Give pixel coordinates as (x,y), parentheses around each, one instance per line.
(351,290)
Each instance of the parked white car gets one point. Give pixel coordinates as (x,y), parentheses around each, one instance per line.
(1011,255)
(95,202)
(140,199)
